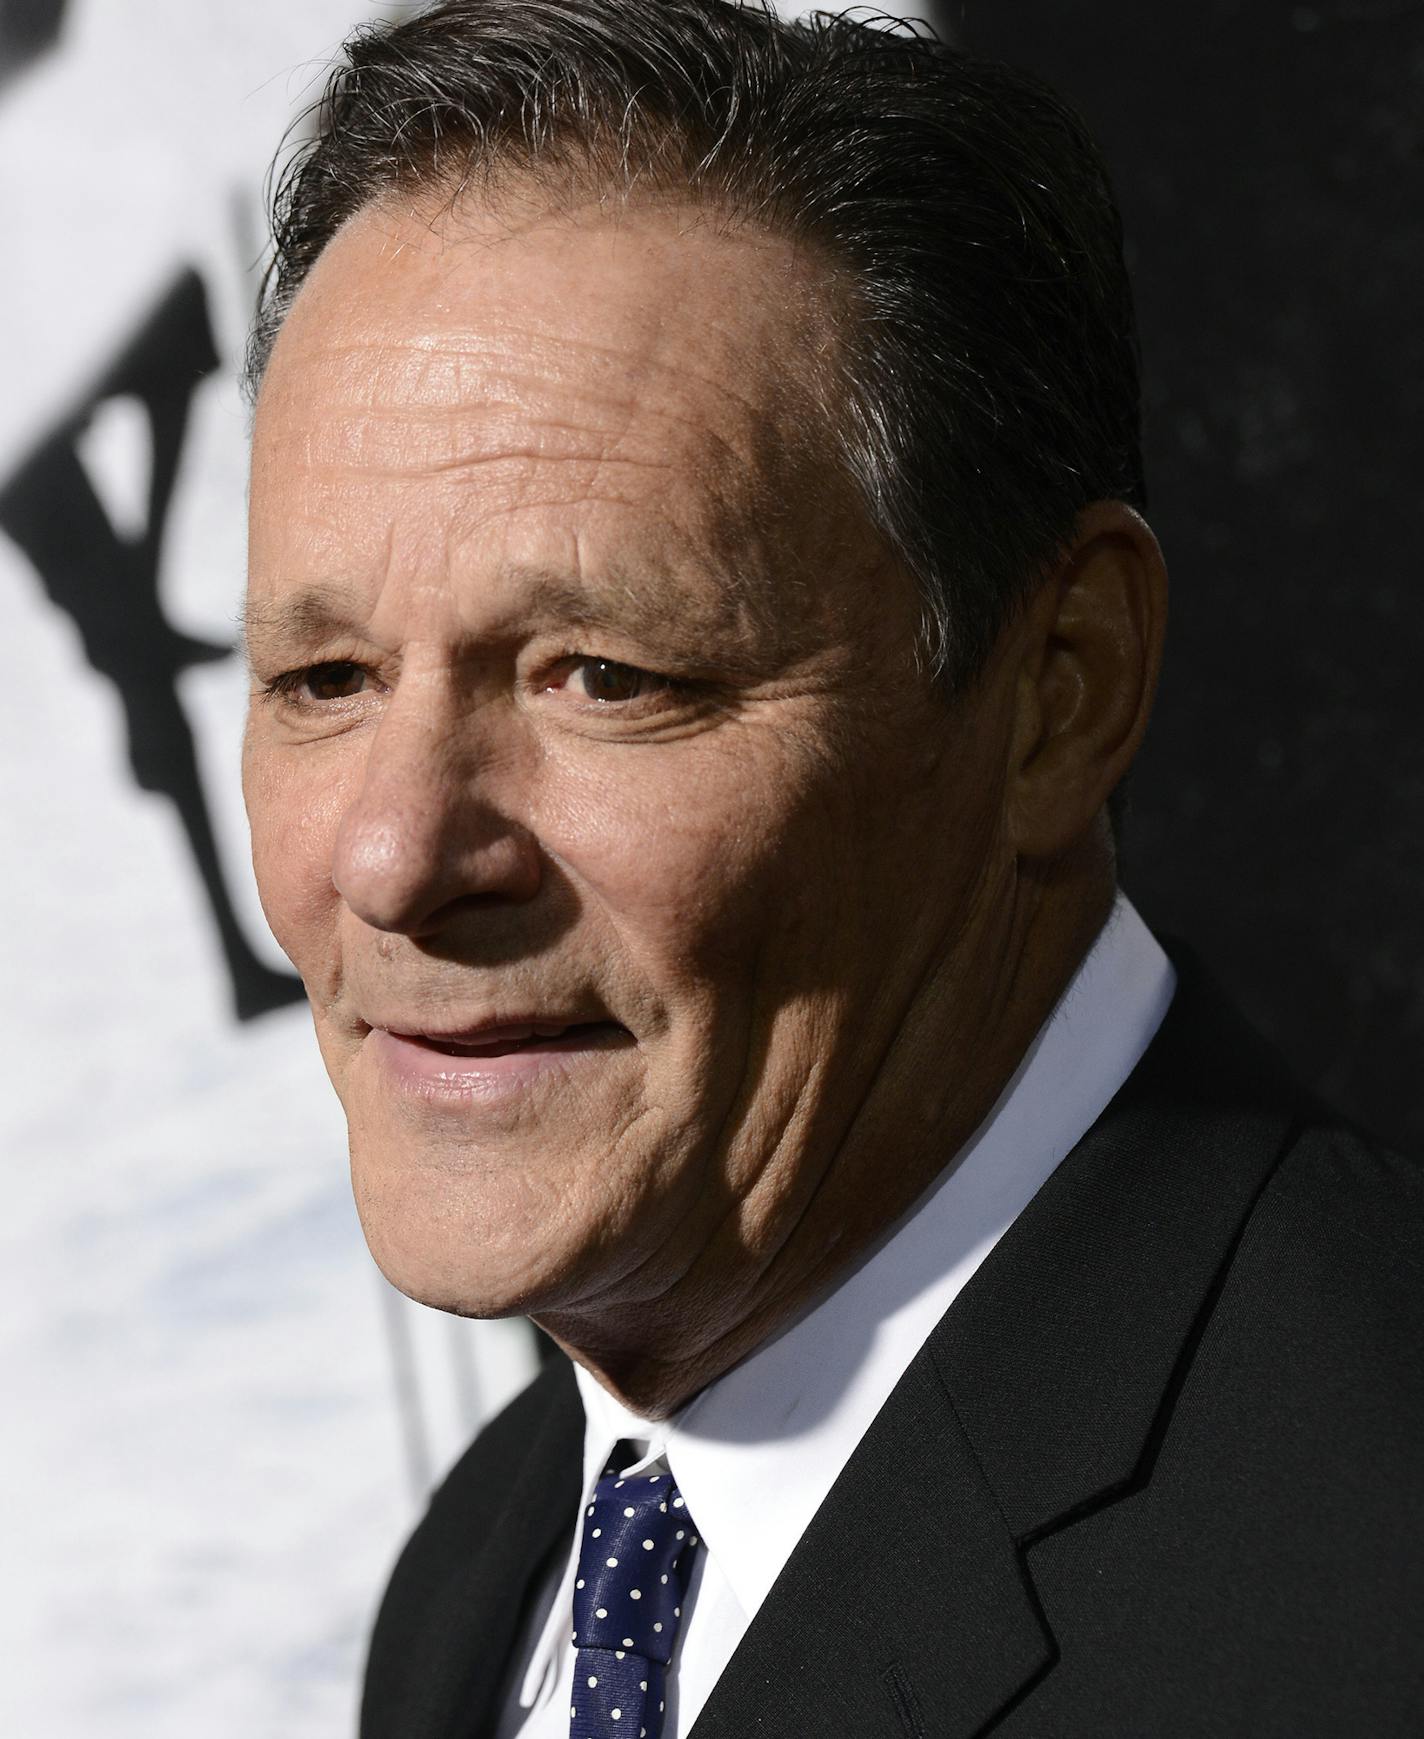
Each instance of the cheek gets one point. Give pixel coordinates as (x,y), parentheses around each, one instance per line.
(694,851)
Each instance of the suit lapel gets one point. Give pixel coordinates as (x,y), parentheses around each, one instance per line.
(908,1606)
(1065,1353)
(904,1601)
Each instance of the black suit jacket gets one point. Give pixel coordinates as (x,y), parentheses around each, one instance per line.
(1157,1472)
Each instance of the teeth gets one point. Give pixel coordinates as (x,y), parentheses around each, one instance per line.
(513,1036)
(508,1036)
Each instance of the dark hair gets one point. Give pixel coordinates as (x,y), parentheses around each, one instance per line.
(989,361)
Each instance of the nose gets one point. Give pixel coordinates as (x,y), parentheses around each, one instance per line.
(423,836)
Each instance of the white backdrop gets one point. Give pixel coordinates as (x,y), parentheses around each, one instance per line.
(218,1421)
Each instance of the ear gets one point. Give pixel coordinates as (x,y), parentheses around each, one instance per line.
(1090,649)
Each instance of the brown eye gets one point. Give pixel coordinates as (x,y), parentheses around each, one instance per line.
(334,681)
(604,680)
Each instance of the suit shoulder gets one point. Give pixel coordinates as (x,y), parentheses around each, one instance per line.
(1338,1185)
(1330,1279)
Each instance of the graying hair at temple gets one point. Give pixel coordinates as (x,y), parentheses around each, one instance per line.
(988,364)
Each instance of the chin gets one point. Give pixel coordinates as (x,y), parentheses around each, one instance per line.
(456,1279)
(458,1245)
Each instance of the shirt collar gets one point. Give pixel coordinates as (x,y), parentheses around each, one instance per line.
(756,1453)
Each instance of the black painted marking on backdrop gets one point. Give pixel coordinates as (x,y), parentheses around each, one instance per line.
(28,29)
(107,583)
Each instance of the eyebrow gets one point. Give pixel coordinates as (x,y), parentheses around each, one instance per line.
(323,611)
(307,614)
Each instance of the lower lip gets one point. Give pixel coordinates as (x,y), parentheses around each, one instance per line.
(430,1073)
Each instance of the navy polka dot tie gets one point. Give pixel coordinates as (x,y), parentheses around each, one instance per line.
(637,1541)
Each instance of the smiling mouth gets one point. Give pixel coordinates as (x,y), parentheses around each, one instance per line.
(475,1071)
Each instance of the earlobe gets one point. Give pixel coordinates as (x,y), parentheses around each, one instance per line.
(1091,648)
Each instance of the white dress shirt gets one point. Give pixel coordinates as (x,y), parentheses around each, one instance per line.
(756,1452)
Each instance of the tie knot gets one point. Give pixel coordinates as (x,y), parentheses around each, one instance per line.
(636,1537)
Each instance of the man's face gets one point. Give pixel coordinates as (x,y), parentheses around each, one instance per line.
(594,790)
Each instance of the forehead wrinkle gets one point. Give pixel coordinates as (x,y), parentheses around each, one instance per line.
(639,583)
(404,444)
(340,476)
(364,317)
(671,556)
(570,572)
(647,596)
(550,421)
(433,372)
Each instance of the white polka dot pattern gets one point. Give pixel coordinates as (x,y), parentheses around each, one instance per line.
(637,1541)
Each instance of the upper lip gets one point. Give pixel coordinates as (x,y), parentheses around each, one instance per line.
(505,1030)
